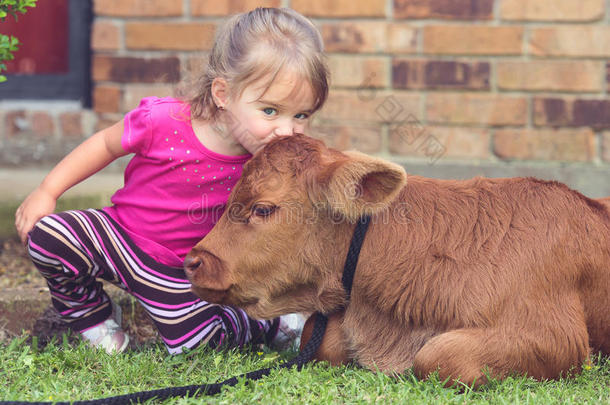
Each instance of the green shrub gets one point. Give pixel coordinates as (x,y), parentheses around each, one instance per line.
(8,43)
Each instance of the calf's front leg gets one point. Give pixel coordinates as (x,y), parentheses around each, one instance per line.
(333,348)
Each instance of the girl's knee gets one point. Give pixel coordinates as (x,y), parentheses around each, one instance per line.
(38,234)
(44,246)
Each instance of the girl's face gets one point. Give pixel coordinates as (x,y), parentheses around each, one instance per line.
(257,116)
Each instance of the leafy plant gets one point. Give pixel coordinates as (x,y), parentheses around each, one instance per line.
(8,43)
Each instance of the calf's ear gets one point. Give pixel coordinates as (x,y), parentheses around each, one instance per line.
(357,185)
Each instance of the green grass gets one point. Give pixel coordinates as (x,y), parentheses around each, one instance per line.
(61,372)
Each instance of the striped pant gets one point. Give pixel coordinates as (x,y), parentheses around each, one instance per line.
(74,249)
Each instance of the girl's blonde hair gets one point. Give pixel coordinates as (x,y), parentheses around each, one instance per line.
(258,44)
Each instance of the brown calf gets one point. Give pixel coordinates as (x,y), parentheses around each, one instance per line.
(506,276)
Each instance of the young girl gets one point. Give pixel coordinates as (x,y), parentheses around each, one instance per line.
(265,77)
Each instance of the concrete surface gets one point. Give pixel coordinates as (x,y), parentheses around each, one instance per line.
(16,184)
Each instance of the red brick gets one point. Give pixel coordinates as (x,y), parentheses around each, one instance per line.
(449,9)
(214,7)
(169,36)
(584,76)
(106,120)
(105,36)
(21,123)
(365,36)
(15,122)
(369,36)
(107,99)
(136,70)
(70,124)
(370,105)
(573,41)
(552,112)
(476,108)
(473,40)
(424,74)
(555,10)
(138,8)
(133,93)
(402,38)
(593,113)
(42,124)
(340,8)
(363,138)
(357,71)
(558,112)
(561,145)
(454,142)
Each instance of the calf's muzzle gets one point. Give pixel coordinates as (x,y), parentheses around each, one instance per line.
(191,264)
(208,276)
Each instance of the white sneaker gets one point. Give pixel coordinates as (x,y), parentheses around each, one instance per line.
(108,334)
(288,335)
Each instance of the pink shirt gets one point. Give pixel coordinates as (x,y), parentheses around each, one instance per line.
(175,188)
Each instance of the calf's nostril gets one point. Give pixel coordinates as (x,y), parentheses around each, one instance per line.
(191,264)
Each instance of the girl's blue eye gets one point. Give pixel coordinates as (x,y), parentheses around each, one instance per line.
(269,111)
(302,116)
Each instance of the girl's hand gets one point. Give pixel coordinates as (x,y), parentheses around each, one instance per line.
(36,205)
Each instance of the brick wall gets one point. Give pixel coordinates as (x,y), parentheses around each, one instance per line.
(491,85)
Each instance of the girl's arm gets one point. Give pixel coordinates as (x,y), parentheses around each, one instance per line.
(86,159)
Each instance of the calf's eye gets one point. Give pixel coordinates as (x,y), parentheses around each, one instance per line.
(261,210)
